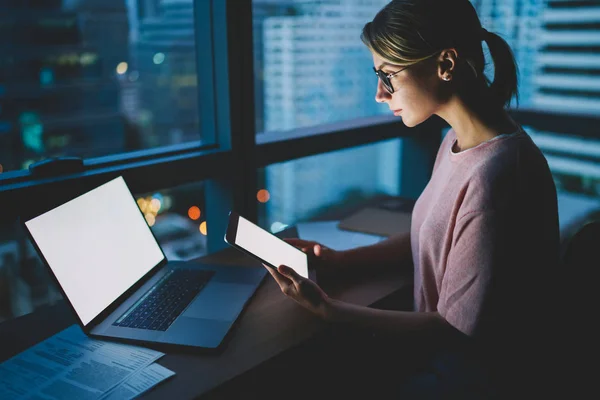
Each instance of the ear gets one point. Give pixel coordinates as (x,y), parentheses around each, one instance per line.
(447,64)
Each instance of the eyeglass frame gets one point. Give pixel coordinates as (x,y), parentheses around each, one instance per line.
(386,78)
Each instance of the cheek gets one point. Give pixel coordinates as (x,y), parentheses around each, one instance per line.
(421,96)
(414,99)
(416,104)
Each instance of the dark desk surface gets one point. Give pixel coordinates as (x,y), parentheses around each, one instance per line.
(270,325)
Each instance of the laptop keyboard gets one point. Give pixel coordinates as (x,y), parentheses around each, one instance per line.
(163,303)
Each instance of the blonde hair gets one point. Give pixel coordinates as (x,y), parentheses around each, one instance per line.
(405,32)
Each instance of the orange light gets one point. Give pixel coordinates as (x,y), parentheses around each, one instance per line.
(263,195)
(155,205)
(203,228)
(1,168)
(194,213)
(141,202)
(150,219)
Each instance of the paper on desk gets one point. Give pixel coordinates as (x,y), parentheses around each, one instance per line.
(328,234)
(139,382)
(70,365)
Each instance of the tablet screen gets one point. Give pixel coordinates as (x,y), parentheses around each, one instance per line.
(269,247)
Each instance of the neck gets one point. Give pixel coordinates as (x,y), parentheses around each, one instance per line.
(475,126)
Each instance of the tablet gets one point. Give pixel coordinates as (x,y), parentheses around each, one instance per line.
(264,246)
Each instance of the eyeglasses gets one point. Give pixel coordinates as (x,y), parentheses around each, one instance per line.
(386,78)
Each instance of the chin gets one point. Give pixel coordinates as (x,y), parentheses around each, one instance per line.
(411,122)
(408,122)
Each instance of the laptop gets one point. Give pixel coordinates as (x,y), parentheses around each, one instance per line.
(116,278)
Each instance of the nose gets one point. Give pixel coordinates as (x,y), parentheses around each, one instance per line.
(382,95)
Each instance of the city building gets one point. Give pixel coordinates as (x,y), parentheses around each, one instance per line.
(163,80)
(519,23)
(261,10)
(317,71)
(57,93)
(568,78)
(556,46)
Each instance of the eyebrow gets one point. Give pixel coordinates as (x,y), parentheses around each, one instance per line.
(385,64)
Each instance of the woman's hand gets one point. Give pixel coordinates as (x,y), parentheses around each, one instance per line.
(320,258)
(304,291)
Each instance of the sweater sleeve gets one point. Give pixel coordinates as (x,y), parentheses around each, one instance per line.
(473,260)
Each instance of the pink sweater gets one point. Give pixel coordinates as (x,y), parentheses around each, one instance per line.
(485,235)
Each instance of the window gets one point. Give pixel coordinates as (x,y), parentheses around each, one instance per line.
(555,44)
(24,284)
(123,86)
(303,189)
(308,34)
(89,79)
(313,79)
(177,216)
(115,84)
(575,164)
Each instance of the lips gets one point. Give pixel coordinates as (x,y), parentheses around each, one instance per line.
(397,112)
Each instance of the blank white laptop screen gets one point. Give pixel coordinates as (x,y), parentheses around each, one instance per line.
(98,245)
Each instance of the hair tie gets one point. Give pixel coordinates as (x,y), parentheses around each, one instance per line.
(484,33)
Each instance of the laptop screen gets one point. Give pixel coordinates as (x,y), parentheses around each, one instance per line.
(98,245)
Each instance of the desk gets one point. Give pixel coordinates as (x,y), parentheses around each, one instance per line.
(271,325)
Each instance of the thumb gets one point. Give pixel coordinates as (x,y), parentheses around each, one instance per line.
(317,250)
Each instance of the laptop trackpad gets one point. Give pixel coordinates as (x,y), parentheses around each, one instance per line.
(220,301)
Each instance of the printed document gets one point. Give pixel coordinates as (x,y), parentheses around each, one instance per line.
(328,234)
(70,365)
(139,382)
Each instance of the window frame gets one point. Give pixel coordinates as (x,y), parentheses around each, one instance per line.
(226,107)
(229,166)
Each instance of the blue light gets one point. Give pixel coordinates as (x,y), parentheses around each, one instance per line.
(46,76)
(158,197)
(32,131)
(158,58)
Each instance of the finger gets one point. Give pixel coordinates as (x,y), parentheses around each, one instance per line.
(317,250)
(290,274)
(285,285)
(281,280)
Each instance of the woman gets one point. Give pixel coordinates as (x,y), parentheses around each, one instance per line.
(484,239)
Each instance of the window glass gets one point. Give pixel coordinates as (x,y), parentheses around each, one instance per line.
(176,216)
(575,165)
(92,78)
(555,44)
(316,186)
(311,67)
(310,64)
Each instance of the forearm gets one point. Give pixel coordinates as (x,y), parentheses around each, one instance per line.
(395,250)
(394,322)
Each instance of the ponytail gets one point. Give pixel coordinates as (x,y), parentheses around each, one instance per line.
(505,84)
